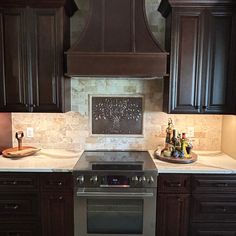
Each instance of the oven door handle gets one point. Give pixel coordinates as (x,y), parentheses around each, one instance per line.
(114,194)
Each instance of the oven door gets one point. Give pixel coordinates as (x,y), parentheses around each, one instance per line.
(115,211)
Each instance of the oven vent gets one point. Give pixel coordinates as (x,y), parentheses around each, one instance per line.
(117,41)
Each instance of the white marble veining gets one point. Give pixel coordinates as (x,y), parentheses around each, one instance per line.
(207,163)
(48,160)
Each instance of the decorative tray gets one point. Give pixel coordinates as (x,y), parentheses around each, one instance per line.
(184,160)
(16,153)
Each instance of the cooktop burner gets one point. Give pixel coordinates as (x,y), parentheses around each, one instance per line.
(115,161)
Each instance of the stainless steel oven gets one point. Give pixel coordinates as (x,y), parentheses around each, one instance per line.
(116,201)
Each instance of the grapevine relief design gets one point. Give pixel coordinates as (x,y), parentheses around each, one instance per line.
(117,115)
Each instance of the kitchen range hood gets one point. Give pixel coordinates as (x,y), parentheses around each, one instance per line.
(116,42)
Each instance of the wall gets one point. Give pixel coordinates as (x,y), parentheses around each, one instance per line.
(72,131)
(5,131)
(229,135)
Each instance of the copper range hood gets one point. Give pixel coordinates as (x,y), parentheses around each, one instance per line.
(117,42)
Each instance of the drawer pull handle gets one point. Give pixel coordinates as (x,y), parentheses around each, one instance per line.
(55,183)
(11,206)
(221,209)
(175,185)
(223,185)
(10,182)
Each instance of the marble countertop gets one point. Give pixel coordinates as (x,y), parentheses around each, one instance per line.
(207,163)
(60,160)
(46,160)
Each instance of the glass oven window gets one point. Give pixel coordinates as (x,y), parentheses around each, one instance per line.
(114,216)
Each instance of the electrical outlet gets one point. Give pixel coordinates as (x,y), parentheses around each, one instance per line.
(30,132)
(191,132)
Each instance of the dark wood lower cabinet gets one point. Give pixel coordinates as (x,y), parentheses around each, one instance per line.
(36,204)
(57,214)
(196,205)
(213,205)
(173,205)
(173,215)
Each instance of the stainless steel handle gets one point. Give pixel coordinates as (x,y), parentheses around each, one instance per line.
(114,186)
(113,194)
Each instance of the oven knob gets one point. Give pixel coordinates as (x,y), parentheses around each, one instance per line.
(150,180)
(142,179)
(80,179)
(94,179)
(135,179)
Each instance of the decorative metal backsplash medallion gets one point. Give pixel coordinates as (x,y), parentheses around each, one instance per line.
(117,115)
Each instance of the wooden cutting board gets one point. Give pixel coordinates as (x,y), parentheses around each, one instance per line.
(23,152)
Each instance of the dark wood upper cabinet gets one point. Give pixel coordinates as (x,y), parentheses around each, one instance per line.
(13,60)
(33,41)
(47,55)
(218,60)
(200,40)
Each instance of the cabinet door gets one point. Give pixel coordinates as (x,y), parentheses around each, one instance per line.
(57,214)
(186,60)
(218,61)
(13,60)
(47,54)
(172,215)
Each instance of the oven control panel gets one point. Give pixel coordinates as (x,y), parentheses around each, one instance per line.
(122,181)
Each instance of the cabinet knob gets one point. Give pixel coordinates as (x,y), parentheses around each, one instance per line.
(60,198)
(175,184)
(26,105)
(222,185)
(179,199)
(204,107)
(59,183)
(221,209)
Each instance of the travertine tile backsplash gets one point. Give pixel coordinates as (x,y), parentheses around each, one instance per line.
(71,130)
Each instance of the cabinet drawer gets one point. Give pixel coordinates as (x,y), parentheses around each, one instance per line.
(20,206)
(18,182)
(213,229)
(12,229)
(172,183)
(214,183)
(56,182)
(214,208)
